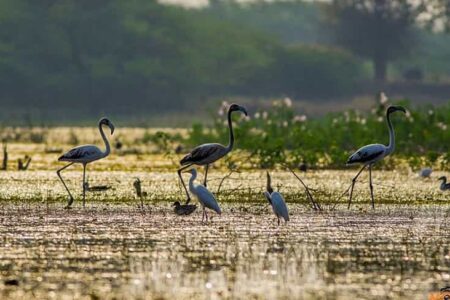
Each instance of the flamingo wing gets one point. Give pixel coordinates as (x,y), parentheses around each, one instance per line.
(82,153)
(207,198)
(368,154)
(279,206)
(208,152)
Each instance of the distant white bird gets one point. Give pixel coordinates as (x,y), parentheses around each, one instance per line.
(84,155)
(425,172)
(444,185)
(206,154)
(277,202)
(370,154)
(205,197)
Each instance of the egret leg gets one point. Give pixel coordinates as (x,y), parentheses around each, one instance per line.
(353,185)
(371,186)
(206,174)
(69,203)
(203,215)
(182,182)
(84,184)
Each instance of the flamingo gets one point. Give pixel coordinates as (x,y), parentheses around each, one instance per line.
(370,154)
(277,202)
(206,154)
(444,185)
(205,197)
(84,155)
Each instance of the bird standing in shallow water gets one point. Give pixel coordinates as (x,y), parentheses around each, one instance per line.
(277,202)
(370,154)
(184,210)
(206,154)
(84,155)
(205,197)
(425,172)
(444,185)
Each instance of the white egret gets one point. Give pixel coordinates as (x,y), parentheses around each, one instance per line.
(277,202)
(206,154)
(444,185)
(370,154)
(84,155)
(205,197)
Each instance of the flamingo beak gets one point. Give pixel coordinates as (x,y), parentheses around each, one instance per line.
(400,108)
(111,126)
(242,109)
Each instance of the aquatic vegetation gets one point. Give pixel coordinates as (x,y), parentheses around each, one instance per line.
(280,135)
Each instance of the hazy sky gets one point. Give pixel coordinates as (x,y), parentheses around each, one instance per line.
(200,3)
(187,3)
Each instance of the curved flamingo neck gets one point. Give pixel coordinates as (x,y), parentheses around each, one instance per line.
(391,146)
(105,140)
(230,128)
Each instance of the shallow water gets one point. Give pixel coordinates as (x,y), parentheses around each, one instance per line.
(114,249)
(118,251)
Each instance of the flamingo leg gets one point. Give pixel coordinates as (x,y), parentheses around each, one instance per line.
(206,174)
(371,186)
(69,203)
(353,185)
(84,184)
(278,221)
(206,214)
(182,182)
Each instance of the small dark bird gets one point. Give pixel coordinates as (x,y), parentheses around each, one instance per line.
(96,188)
(137,187)
(303,167)
(118,145)
(444,185)
(13,282)
(185,209)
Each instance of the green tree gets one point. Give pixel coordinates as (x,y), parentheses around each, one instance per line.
(380,30)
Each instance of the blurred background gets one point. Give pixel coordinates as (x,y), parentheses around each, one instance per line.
(158,63)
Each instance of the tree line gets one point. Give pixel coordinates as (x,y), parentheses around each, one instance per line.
(141,56)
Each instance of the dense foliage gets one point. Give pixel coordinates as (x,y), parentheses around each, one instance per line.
(83,58)
(279,135)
